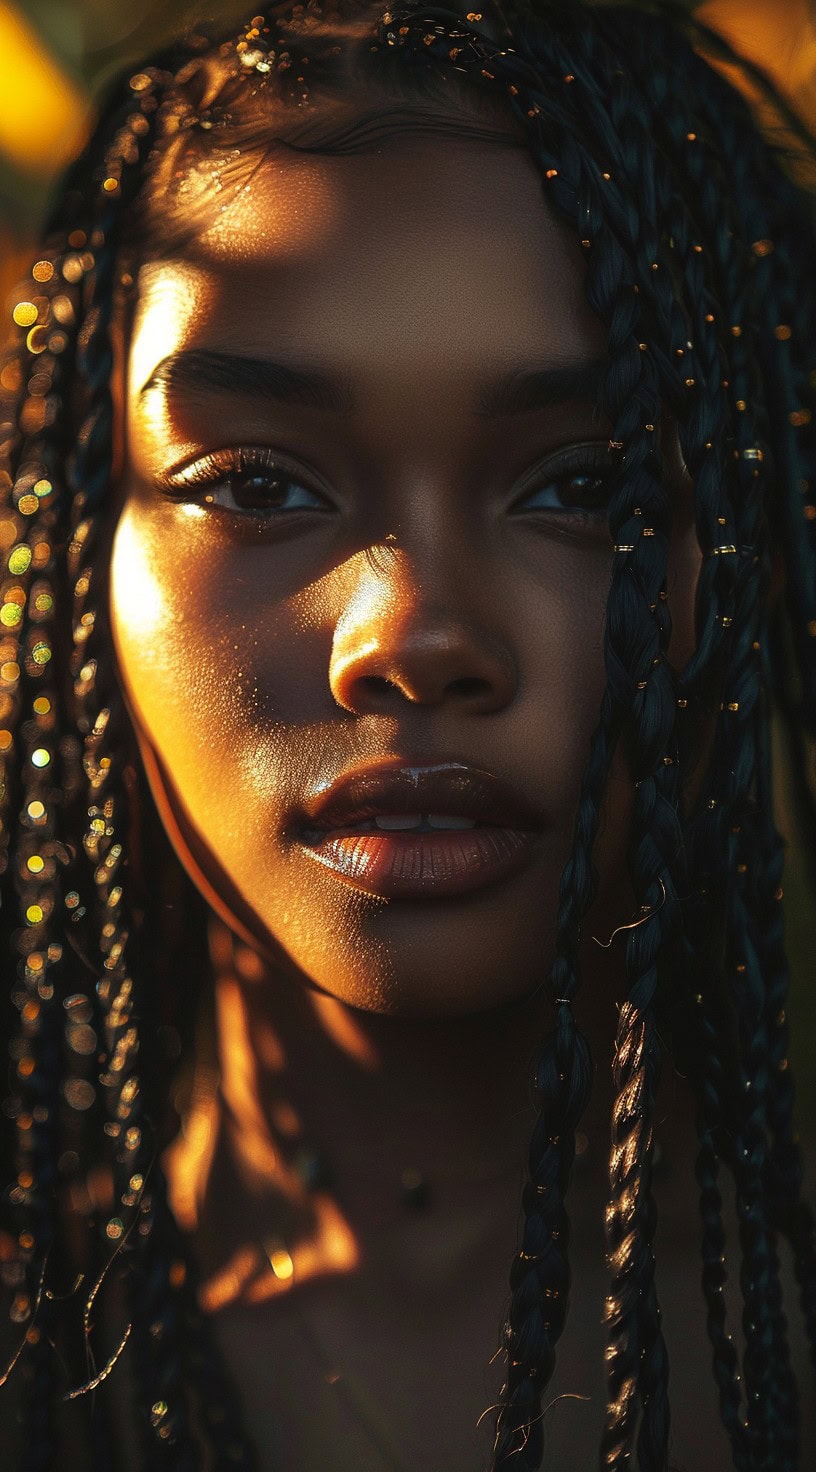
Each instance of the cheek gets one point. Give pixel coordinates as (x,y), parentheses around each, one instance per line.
(190,630)
(227,674)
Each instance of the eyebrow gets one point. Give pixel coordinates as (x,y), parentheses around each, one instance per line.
(195,369)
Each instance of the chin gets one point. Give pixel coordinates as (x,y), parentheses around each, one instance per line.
(417,962)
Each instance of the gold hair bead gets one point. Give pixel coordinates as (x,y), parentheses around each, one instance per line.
(682,703)
(800,417)
(752,454)
(724,551)
(690,382)
(783,332)
(762,247)
(552,173)
(691,137)
(736,331)
(741,406)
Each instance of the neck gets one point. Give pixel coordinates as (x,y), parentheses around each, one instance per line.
(332,1121)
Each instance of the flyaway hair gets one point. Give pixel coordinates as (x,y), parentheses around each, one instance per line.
(699,249)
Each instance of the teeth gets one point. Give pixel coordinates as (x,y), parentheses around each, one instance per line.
(442,820)
(401,821)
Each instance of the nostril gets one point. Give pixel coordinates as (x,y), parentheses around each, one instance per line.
(468,685)
(377,684)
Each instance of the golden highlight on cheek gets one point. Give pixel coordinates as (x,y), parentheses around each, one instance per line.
(139,582)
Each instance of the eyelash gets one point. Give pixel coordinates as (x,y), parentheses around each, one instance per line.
(214,470)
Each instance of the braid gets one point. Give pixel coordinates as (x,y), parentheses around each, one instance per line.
(31,797)
(692,236)
(160,1297)
(143,1222)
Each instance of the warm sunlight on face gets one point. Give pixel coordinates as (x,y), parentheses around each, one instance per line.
(380,542)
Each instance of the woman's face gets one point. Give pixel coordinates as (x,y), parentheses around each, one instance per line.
(419,584)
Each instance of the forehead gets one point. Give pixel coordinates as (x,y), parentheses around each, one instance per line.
(440,251)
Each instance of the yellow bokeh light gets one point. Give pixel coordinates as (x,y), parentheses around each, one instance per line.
(43,115)
(19,560)
(25,314)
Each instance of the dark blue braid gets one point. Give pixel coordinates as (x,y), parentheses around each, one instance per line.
(767,294)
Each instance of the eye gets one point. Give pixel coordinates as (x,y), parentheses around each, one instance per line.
(578,480)
(245,481)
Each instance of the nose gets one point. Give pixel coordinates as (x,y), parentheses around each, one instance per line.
(396,642)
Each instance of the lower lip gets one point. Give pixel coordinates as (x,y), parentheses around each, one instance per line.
(405,865)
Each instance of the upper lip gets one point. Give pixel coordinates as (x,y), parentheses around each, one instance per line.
(446,788)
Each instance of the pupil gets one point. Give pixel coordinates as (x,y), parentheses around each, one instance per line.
(586,489)
(257,489)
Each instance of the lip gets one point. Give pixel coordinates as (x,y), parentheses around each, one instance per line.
(443,787)
(415,863)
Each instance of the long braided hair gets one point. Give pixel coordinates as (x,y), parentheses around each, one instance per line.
(699,249)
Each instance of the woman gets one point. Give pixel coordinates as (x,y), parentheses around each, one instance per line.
(408,439)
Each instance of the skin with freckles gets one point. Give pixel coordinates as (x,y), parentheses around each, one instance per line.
(425,598)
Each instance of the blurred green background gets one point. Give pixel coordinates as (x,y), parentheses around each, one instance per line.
(56,54)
